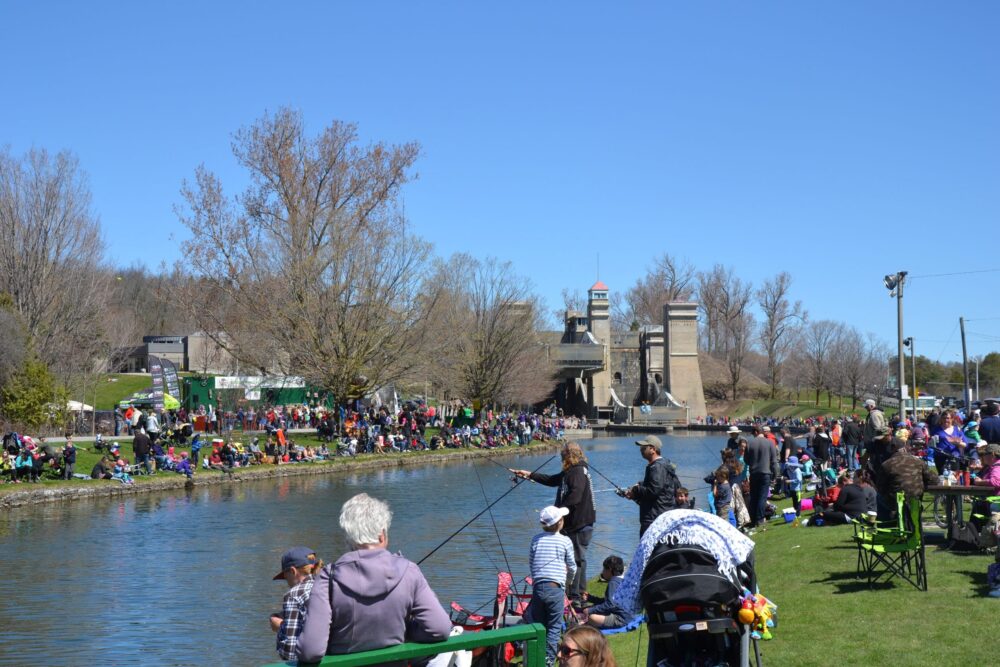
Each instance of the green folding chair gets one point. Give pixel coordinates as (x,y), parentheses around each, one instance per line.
(885,552)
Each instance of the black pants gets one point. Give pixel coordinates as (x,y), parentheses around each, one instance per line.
(581,540)
(760,483)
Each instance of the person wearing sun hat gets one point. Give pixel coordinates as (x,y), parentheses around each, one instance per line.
(734,437)
(298,565)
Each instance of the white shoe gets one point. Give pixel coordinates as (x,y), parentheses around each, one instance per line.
(995,593)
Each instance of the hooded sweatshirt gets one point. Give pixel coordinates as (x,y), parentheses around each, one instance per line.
(378,599)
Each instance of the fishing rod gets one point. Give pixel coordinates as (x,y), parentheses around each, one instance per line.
(619,490)
(496,530)
(488,507)
(495,462)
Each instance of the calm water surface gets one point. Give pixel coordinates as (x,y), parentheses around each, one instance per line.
(184,578)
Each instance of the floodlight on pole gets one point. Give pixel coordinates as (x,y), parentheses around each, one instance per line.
(894,283)
(908,342)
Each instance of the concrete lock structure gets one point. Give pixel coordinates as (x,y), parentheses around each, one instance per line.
(647,375)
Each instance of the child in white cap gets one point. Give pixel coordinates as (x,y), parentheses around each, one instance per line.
(552,565)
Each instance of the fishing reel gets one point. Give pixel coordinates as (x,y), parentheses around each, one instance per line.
(620,493)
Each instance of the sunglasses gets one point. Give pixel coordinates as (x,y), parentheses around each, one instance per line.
(567,652)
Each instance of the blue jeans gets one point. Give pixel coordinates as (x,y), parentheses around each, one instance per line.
(852,457)
(547,608)
(581,540)
(760,484)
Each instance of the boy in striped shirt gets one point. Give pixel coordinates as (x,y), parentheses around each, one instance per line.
(552,565)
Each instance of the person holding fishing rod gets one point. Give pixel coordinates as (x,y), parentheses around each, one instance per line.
(576,493)
(656,493)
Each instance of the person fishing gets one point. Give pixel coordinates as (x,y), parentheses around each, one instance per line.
(576,493)
(656,493)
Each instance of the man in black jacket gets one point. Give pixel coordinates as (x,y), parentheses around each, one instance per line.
(762,459)
(576,493)
(140,447)
(655,494)
(852,439)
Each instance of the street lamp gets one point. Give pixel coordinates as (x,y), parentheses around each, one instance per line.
(894,283)
(913,372)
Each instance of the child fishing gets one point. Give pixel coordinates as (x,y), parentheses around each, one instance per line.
(552,565)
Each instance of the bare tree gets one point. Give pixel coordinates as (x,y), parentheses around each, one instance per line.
(668,279)
(738,326)
(13,342)
(710,286)
(50,256)
(818,342)
(780,315)
(495,355)
(312,271)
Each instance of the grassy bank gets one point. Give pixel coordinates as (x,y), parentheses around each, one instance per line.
(826,615)
(778,408)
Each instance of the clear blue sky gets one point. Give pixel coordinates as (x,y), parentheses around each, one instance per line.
(838,141)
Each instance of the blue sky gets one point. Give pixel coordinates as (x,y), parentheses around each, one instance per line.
(836,141)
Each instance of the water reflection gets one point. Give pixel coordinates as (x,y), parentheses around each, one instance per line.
(185,577)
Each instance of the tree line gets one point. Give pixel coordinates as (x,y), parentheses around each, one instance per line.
(769,347)
(310,270)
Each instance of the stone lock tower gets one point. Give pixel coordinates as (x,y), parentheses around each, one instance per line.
(681,373)
(599,324)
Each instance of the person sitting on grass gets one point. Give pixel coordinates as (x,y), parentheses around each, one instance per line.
(24,467)
(120,472)
(101,469)
(851,504)
(183,466)
(606,614)
(7,465)
(825,500)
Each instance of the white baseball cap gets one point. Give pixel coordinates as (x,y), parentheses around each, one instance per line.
(550,515)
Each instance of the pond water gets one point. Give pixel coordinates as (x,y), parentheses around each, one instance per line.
(184,578)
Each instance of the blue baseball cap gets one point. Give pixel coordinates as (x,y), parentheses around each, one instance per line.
(296,557)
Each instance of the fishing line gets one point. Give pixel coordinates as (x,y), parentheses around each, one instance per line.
(469,522)
(608,479)
(492,518)
(498,463)
(605,546)
(638,645)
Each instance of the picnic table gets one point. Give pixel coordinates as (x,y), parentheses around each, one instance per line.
(954,503)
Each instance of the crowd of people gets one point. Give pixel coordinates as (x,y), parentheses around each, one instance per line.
(162,441)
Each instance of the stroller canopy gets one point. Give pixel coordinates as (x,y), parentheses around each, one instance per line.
(730,548)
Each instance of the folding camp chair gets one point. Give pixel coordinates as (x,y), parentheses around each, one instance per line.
(894,551)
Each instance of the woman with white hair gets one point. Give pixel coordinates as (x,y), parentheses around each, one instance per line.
(369,598)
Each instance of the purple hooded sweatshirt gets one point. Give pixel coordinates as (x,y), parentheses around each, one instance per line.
(379,600)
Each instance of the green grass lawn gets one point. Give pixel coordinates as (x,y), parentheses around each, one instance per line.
(825,615)
(802,409)
(114,388)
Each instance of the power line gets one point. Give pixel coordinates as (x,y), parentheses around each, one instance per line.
(957,273)
(950,336)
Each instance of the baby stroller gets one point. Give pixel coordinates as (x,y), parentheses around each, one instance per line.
(178,435)
(693,610)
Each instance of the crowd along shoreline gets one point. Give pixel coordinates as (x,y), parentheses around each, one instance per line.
(167,481)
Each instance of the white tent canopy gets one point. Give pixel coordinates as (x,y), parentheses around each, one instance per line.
(77,406)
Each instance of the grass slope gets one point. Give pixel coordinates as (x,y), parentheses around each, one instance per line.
(123,386)
(826,615)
